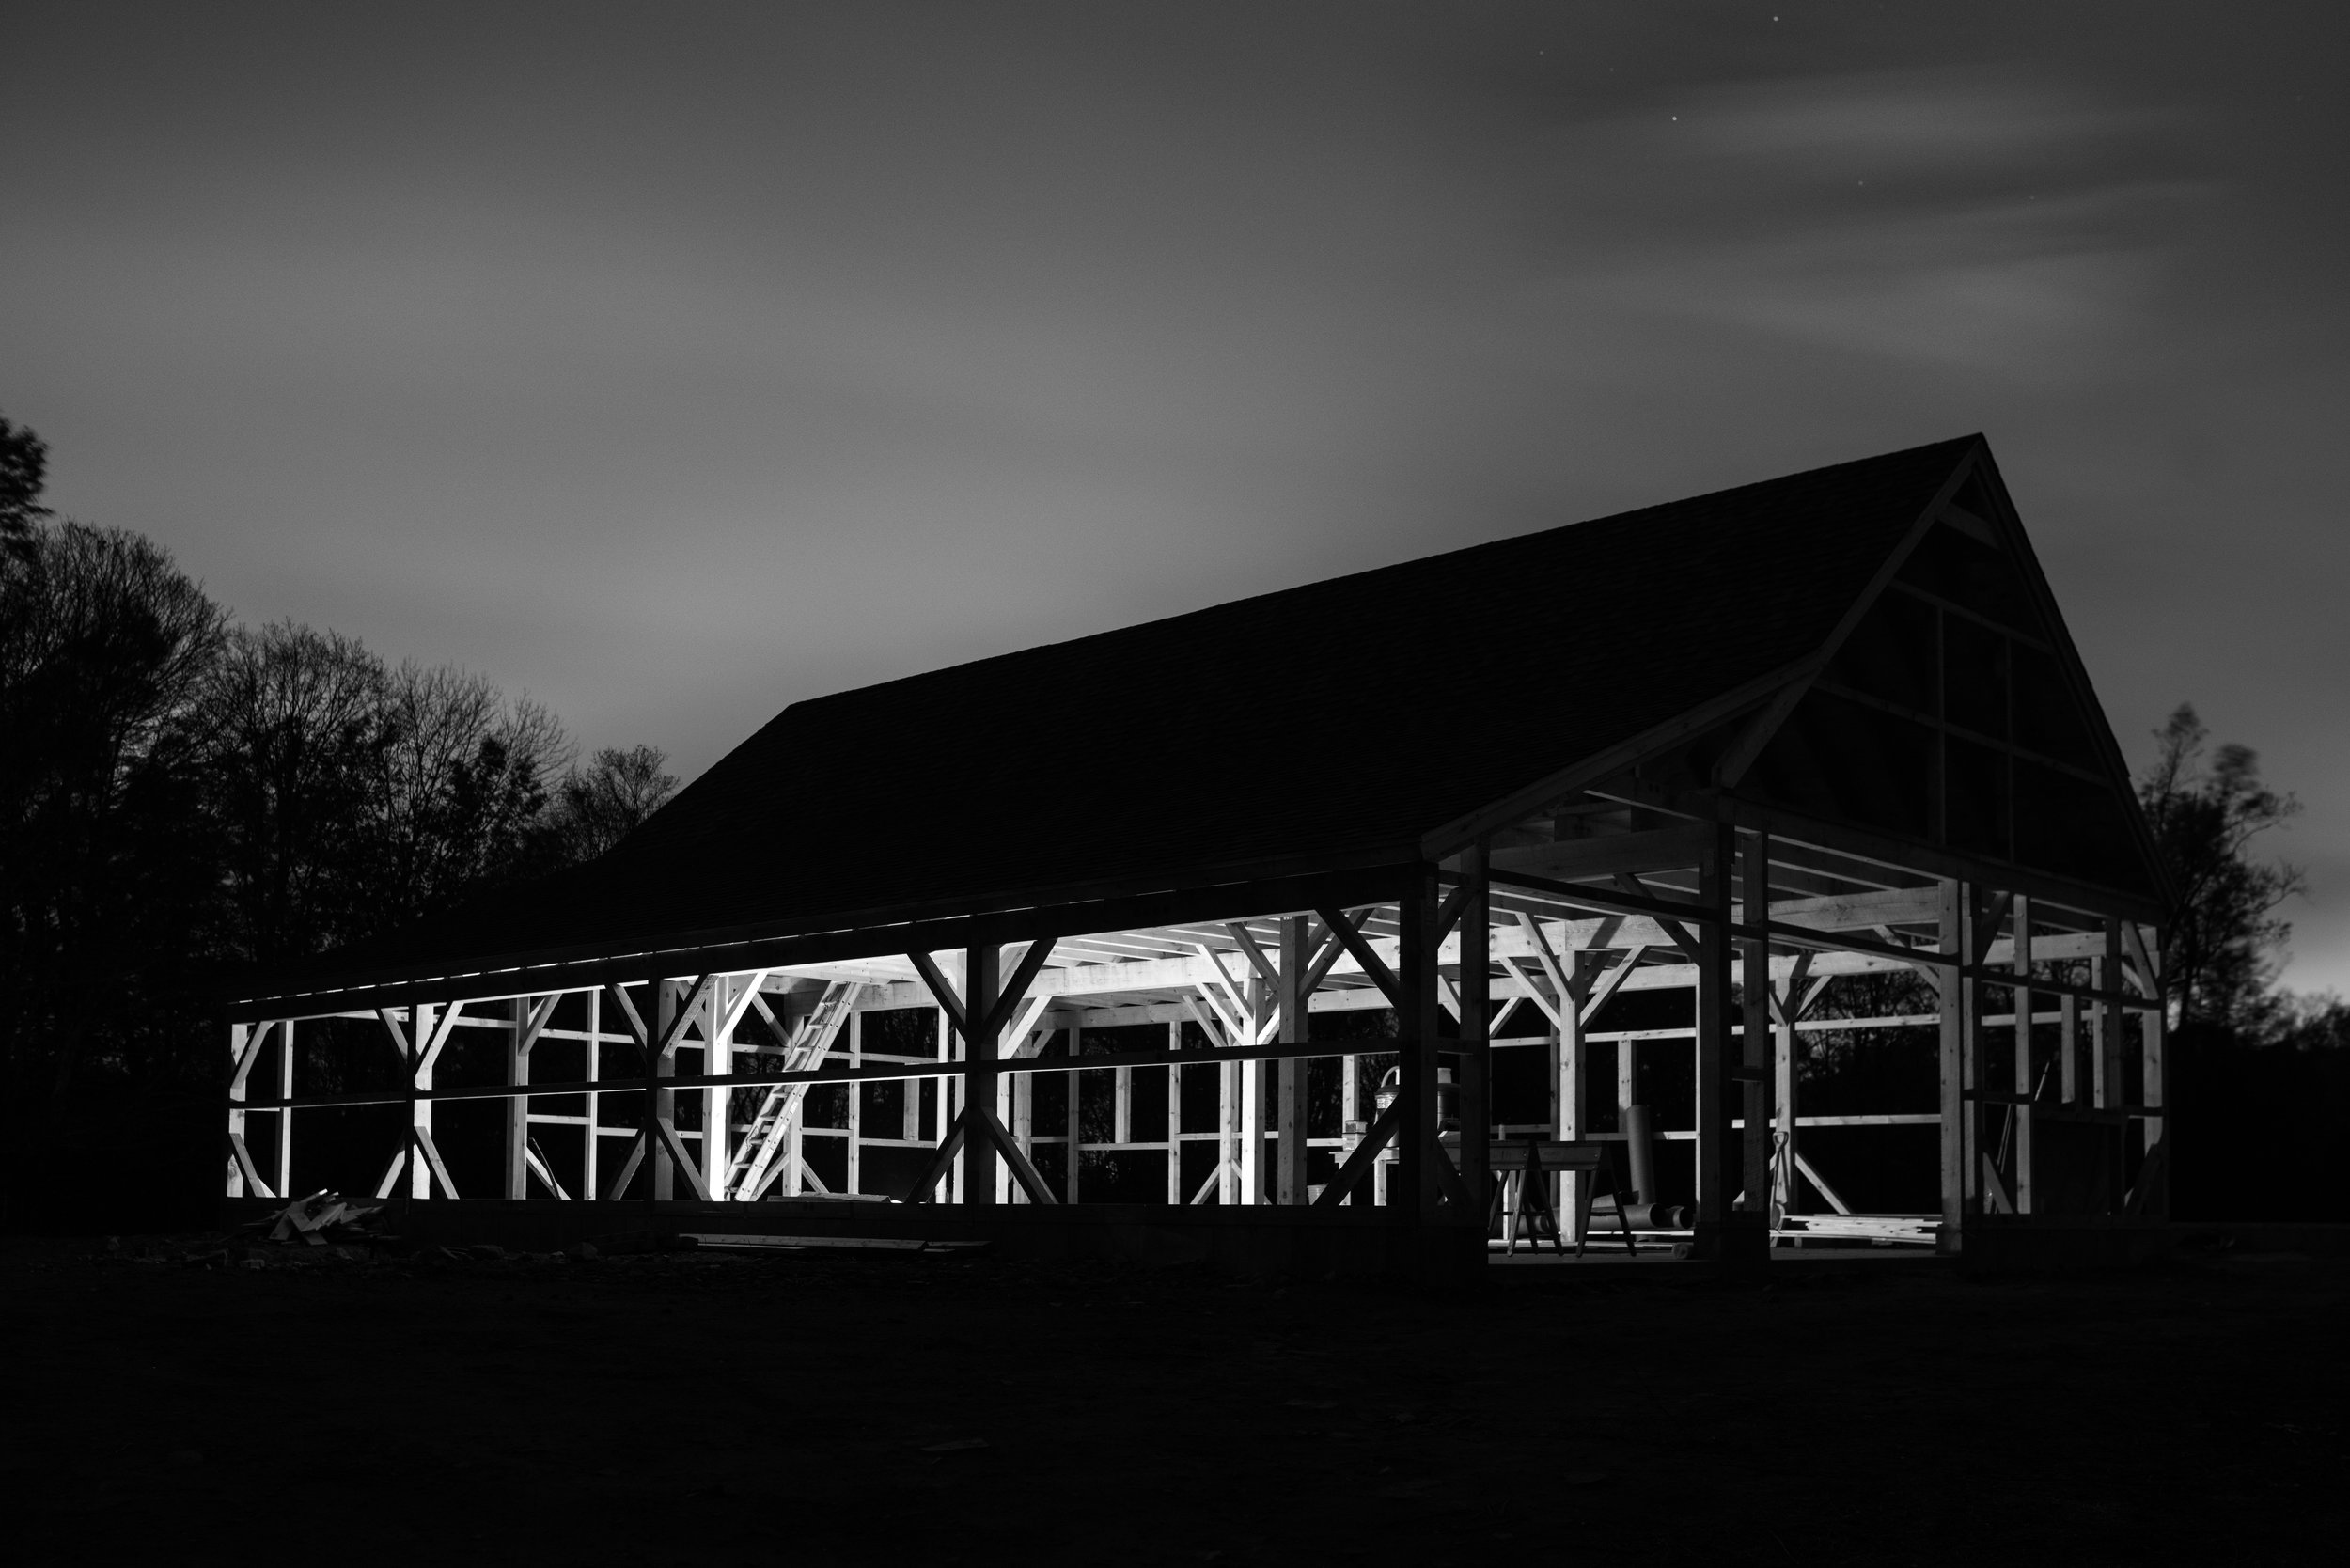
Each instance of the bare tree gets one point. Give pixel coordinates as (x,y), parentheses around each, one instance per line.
(102,642)
(2224,942)
(23,473)
(598,807)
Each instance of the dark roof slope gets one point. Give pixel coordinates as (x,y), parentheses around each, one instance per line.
(1336,720)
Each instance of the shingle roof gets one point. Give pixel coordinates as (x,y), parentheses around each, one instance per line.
(1320,724)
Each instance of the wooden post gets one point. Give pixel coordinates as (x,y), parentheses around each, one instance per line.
(1022,1120)
(1475,988)
(981,976)
(1950,947)
(239,1041)
(660,1103)
(588,1160)
(283,1157)
(718,1100)
(2069,1050)
(1252,1120)
(423,1017)
(1974,906)
(2107,1074)
(1228,1133)
(1415,1188)
(1756,1078)
(1570,1094)
(1175,1193)
(856,1104)
(1717,1161)
(1350,1108)
(950,1188)
(2111,1091)
(2025,1082)
(1289,1165)
(517,1144)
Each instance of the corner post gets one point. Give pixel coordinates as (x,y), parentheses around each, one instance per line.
(1570,1091)
(423,1019)
(516,1148)
(660,1103)
(1415,1188)
(1476,992)
(718,1100)
(981,968)
(282,1160)
(1291,1162)
(1717,1164)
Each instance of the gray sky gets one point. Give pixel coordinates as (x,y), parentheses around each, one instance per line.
(674,363)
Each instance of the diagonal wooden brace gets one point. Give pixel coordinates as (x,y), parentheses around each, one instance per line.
(1358,1163)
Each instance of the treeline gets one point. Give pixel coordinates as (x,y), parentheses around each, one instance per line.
(181,795)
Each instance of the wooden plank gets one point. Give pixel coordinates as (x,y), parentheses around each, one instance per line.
(1949,1058)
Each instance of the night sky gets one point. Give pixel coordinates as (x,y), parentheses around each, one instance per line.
(675,363)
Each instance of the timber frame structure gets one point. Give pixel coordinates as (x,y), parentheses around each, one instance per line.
(1453,817)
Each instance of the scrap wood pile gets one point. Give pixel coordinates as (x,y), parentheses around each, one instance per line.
(322,1217)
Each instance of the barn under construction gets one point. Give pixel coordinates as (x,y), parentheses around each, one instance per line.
(1497,905)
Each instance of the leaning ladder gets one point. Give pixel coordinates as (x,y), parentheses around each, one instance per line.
(753,1163)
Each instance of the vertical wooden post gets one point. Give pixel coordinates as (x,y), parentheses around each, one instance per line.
(516,1148)
(284,1160)
(943,1111)
(422,1017)
(1023,1119)
(1717,1161)
(1290,1166)
(2107,1074)
(590,1159)
(2107,1086)
(981,977)
(1350,1108)
(1476,994)
(856,1104)
(1077,1122)
(1756,1078)
(1415,1188)
(660,1103)
(1950,947)
(1175,1194)
(1973,907)
(1252,1122)
(2069,1050)
(239,1040)
(2025,1080)
(718,1100)
(1571,1092)
(1227,1132)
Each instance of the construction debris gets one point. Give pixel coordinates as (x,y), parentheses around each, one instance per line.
(324,1217)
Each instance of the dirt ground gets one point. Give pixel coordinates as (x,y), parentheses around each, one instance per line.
(712,1409)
